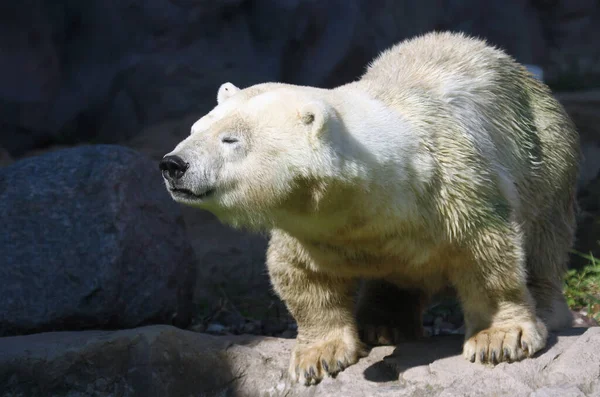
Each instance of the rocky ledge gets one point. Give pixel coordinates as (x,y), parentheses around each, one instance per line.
(166,361)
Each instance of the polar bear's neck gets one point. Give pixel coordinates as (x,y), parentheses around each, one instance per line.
(386,150)
(385,165)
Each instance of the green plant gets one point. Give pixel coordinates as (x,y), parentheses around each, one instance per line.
(582,287)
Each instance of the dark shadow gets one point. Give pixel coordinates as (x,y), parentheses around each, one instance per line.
(424,352)
(381,372)
(570,332)
(413,354)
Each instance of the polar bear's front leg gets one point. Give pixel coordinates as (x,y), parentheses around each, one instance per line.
(328,340)
(500,318)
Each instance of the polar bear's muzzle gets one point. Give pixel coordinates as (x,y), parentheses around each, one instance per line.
(173,170)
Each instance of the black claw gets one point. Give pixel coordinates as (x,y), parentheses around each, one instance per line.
(482,356)
(312,372)
(525,347)
(506,354)
(325,366)
(494,358)
(473,358)
(335,371)
(340,365)
(307,380)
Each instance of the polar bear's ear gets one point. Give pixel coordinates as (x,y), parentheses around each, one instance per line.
(315,114)
(226,91)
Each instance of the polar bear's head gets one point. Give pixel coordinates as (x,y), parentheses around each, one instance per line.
(260,150)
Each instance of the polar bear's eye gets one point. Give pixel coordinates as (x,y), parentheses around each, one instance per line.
(229,139)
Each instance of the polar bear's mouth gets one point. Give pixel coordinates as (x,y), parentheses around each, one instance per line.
(188,194)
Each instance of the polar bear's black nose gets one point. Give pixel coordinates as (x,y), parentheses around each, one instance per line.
(173,167)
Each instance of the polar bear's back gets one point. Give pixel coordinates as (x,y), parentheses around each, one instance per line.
(437,60)
(461,92)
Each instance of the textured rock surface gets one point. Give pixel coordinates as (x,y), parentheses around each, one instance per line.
(584,109)
(165,361)
(573,57)
(74,71)
(90,238)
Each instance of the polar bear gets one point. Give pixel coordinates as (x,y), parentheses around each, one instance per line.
(446,164)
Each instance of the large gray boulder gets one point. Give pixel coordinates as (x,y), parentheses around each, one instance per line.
(91,239)
(162,361)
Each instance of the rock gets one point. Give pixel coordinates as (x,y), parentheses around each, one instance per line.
(151,362)
(216,328)
(524,40)
(91,239)
(102,71)
(573,58)
(165,361)
(73,72)
(583,109)
(582,320)
(46,149)
(5,158)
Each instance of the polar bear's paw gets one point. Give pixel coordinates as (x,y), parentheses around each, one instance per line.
(505,344)
(311,362)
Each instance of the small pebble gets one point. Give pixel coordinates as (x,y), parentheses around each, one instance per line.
(215,328)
